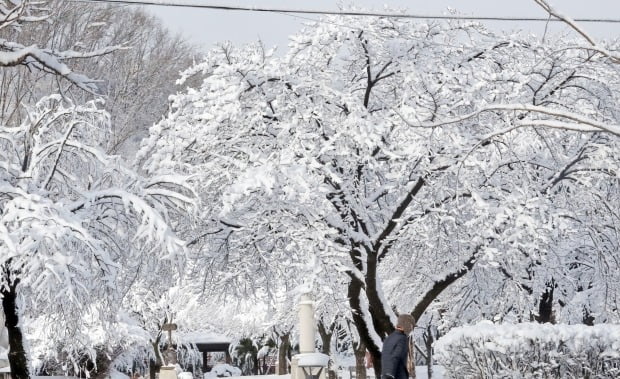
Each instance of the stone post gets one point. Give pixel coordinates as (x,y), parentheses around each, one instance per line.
(308,364)
(306,324)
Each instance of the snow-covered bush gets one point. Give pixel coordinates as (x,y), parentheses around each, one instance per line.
(222,370)
(531,350)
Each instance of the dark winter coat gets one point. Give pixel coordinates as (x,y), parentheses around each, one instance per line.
(394,356)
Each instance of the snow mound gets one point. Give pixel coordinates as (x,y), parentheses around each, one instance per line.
(222,370)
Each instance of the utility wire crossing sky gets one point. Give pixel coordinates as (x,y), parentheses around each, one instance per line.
(346,12)
(208,23)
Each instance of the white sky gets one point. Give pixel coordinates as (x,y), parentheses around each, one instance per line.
(206,27)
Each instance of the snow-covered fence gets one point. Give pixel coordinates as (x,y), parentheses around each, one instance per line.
(530,350)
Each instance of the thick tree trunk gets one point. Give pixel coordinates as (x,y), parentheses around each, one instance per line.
(153,369)
(360,354)
(326,337)
(283,349)
(18,360)
(326,340)
(354,293)
(380,317)
(155,365)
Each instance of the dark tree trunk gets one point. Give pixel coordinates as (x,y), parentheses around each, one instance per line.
(255,366)
(380,318)
(354,294)
(545,306)
(326,340)
(429,338)
(283,350)
(153,369)
(360,367)
(155,364)
(17,355)
(326,337)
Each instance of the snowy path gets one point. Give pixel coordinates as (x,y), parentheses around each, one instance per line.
(420,371)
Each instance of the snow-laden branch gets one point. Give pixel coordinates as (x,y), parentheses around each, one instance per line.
(71,54)
(173,181)
(16,12)
(152,227)
(16,54)
(8,16)
(170,195)
(580,123)
(47,181)
(399,210)
(570,22)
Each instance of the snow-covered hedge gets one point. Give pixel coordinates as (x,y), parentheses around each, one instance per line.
(530,350)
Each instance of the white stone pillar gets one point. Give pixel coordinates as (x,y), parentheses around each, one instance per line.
(308,364)
(306,324)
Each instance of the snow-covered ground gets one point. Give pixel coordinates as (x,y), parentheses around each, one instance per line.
(438,373)
(421,372)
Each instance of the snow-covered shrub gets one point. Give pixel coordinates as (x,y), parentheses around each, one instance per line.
(222,370)
(530,350)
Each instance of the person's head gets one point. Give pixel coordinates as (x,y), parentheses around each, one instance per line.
(405,323)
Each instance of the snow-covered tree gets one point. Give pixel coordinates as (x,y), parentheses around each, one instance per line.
(77,227)
(403,156)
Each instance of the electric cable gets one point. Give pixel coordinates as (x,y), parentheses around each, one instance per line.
(345,12)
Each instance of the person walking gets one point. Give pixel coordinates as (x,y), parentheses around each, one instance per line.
(396,351)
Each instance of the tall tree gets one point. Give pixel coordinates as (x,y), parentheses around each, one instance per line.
(402,155)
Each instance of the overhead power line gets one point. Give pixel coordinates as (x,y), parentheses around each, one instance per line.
(344,12)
